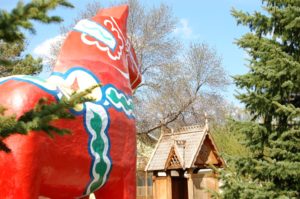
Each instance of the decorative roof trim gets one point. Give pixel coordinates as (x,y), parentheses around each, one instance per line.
(154,151)
(188,129)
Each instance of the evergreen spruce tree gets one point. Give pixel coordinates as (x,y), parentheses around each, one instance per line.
(271,93)
(12,39)
(12,43)
(12,62)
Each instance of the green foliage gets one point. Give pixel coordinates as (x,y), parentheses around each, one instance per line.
(14,63)
(272,90)
(12,22)
(228,141)
(12,39)
(40,118)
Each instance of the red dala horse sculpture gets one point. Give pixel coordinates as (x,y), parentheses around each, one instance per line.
(99,156)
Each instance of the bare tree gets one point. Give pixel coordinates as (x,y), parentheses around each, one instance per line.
(185,91)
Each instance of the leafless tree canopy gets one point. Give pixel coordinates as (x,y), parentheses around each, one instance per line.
(180,82)
(185,90)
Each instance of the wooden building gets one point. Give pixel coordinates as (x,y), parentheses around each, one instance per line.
(180,164)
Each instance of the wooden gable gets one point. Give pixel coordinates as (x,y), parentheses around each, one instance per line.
(173,160)
(208,154)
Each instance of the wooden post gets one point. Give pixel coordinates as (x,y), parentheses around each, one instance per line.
(190,184)
(154,186)
(146,184)
(169,186)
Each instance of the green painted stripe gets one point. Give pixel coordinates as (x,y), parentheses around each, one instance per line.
(98,146)
(125,102)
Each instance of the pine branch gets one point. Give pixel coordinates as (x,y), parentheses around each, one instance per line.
(40,118)
(19,17)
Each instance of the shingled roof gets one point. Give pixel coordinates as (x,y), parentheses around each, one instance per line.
(187,147)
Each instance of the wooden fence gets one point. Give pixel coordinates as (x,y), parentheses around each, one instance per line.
(144,192)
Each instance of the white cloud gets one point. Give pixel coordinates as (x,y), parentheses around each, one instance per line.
(184,29)
(43,49)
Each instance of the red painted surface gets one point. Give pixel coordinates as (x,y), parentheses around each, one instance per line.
(59,168)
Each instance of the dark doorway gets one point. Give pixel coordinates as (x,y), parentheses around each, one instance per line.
(179,188)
